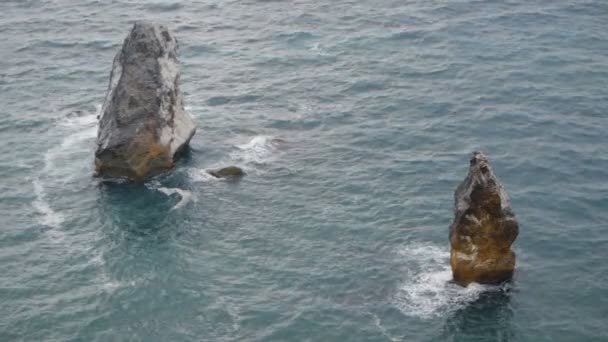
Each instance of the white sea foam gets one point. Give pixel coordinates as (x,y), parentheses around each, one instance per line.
(427,291)
(200,175)
(71,143)
(83,120)
(259,150)
(78,128)
(49,216)
(185,195)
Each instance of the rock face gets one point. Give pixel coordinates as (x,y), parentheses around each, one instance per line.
(230,171)
(484,228)
(143,125)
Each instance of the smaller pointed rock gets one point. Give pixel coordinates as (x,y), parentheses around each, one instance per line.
(484,228)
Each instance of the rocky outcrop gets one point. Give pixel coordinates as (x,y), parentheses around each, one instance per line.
(484,228)
(143,125)
(227,172)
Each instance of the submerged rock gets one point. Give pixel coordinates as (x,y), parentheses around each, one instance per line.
(230,171)
(484,228)
(143,125)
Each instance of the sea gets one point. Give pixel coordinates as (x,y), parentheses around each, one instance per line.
(354,121)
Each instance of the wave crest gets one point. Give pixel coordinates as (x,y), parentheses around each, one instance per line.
(259,150)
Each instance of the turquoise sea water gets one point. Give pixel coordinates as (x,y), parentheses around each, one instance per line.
(339,232)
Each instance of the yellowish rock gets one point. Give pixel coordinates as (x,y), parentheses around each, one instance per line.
(484,228)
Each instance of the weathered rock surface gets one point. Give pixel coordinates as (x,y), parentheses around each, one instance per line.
(143,125)
(484,228)
(230,171)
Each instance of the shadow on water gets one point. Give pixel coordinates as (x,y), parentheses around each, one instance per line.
(489,318)
(136,211)
(184,156)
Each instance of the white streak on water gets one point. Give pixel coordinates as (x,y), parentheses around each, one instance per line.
(49,217)
(185,195)
(381,328)
(79,129)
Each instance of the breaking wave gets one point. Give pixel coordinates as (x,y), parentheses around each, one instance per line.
(200,175)
(259,150)
(428,291)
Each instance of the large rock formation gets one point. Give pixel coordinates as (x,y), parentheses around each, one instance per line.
(484,228)
(143,125)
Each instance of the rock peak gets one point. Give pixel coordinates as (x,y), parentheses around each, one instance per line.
(143,125)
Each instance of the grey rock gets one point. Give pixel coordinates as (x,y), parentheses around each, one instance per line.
(143,125)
